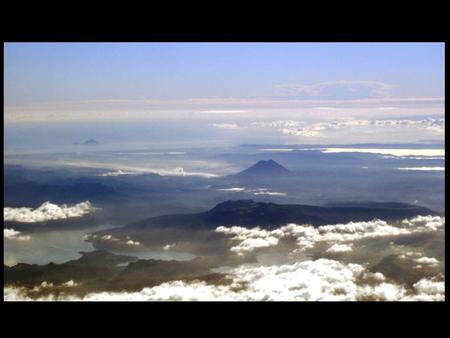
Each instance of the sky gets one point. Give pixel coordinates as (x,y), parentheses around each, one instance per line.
(223,84)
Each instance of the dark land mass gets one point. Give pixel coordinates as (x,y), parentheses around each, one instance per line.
(401,270)
(249,213)
(104,271)
(193,232)
(90,142)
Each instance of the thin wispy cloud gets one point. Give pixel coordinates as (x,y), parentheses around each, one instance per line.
(375,88)
(227,126)
(166,110)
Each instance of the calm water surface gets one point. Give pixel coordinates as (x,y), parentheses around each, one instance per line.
(60,246)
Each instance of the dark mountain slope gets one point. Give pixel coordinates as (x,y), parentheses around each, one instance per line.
(250,213)
(263,169)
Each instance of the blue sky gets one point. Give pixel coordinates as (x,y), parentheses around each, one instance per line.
(37,73)
(240,92)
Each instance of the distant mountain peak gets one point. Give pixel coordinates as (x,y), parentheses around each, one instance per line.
(91,141)
(265,168)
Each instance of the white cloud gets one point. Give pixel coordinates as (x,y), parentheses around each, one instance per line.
(376,88)
(423,168)
(117,173)
(13,234)
(428,261)
(327,108)
(274,150)
(234,189)
(304,132)
(107,237)
(235,111)
(430,223)
(278,124)
(270,193)
(70,284)
(148,109)
(430,287)
(320,129)
(259,191)
(318,280)
(307,236)
(46,212)
(168,246)
(337,248)
(250,239)
(394,152)
(229,126)
(131,242)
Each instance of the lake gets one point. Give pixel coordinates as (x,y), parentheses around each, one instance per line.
(60,246)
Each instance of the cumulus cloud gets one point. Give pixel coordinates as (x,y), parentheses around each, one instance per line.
(321,129)
(131,242)
(315,280)
(430,287)
(107,237)
(250,239)
(430,223)
(167,247)
(46,212)
(13,234)
(307,236)
(337,248)
(428,261)
(70,284)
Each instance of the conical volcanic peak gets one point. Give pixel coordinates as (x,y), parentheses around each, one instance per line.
(268,168)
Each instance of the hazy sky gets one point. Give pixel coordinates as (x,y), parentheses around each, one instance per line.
(232,86)
(68,71)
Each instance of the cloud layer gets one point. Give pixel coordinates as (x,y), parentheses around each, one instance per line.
(375,88)
(318,280)
(307,236)
(322,129)
(47,212)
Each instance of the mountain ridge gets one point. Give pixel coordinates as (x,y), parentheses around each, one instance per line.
(249,213)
